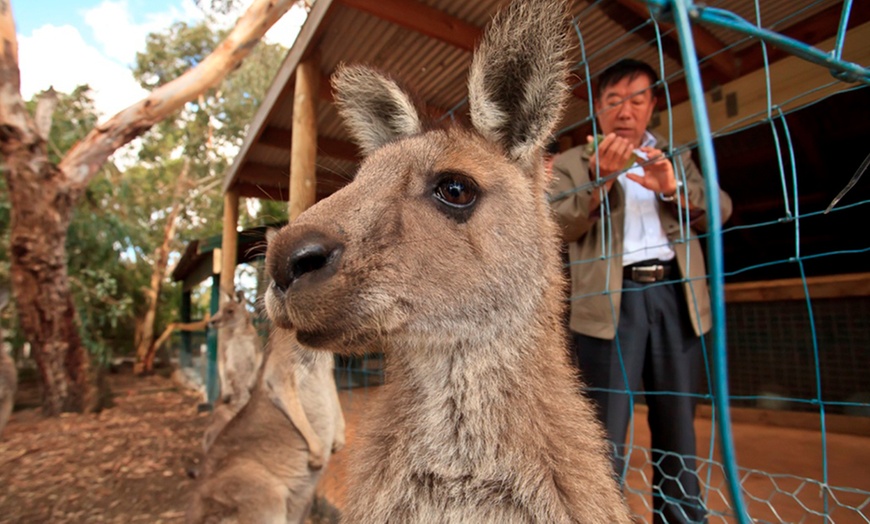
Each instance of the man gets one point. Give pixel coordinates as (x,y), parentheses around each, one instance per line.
(639,301)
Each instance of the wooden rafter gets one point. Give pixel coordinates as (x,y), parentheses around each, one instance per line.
(277,137)
(706,43)
(818,28)
(421,18)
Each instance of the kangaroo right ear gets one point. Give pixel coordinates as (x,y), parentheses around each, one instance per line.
(517,81)
(375,108)
(4,298)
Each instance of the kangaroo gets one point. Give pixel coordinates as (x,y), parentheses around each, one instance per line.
(265,464)
(241,354)
(8,374)
(443,252)
(241,357)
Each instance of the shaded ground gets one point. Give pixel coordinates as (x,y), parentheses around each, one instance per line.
(129,463)
(125,464)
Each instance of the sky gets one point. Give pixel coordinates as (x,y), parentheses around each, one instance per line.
(65,43)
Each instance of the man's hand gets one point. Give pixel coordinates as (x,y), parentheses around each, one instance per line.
(658,173)
(614,152)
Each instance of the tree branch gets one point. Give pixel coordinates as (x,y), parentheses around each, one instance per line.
(45,112)
(14,118)
(84,160)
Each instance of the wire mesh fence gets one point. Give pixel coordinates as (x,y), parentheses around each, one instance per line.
(802,354)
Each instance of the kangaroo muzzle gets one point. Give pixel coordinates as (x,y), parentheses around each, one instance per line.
(302,259)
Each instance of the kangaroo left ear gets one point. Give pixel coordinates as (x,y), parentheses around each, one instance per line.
(517,85)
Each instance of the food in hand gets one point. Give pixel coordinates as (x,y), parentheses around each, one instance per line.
(590,150)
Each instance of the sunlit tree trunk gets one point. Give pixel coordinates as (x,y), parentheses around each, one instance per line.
(43,196)
(145,348)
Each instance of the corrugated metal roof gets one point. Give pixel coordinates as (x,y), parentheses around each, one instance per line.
(436,69)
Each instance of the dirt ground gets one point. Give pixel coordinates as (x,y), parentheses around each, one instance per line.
(129,463)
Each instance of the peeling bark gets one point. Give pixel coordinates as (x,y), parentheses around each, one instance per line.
(44,196)
(42,207)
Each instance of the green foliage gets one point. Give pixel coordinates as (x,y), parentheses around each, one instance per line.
(209,130)
(119,221)
(105,283)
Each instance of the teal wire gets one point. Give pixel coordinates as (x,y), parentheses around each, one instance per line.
(817,360)
(714,250)
(841,32)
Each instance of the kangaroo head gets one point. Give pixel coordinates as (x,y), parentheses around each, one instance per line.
(444,235)
(232,312)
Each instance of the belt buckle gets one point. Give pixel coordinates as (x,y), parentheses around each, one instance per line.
(647,274)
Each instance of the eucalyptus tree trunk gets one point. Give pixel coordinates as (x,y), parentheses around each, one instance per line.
(145,347)
(42,206)
(43,196)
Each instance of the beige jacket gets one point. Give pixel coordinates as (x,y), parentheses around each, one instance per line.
(595,245)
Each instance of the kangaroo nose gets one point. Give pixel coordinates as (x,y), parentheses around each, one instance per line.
(311,258)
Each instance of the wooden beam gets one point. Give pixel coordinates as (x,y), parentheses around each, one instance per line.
(311,31)
(280,194)
(281,138)
(706,43)
(229,241)
(817,28)
(303,153)
(419,17)
(264,174)
(813,30)
(262,191)
(836,286)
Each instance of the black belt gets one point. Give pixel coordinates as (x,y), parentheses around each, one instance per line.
(650,271)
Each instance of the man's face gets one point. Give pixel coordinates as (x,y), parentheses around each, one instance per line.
(626,107)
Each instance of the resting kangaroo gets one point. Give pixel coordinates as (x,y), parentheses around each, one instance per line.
(8,374)
(443,253)
(241,357)
(241,353)
(265,464)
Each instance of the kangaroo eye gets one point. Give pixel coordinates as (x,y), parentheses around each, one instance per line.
(457,191)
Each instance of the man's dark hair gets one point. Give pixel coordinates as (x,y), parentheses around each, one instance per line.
(630,68)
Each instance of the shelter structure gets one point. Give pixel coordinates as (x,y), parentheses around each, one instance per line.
(297,149)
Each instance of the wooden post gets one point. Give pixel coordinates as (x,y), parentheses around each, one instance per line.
(230,241)
(303,152)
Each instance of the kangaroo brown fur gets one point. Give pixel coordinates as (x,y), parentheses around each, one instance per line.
(265,464)
(443,253)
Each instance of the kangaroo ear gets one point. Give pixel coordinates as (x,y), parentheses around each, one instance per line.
(375,108)
(240,296)
(517,84)
(4,298)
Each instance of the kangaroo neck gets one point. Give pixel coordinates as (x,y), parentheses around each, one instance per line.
(459,400)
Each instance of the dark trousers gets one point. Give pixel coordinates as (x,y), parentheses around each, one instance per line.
(658,349)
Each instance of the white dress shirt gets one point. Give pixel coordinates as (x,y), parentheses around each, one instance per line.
(643,236)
